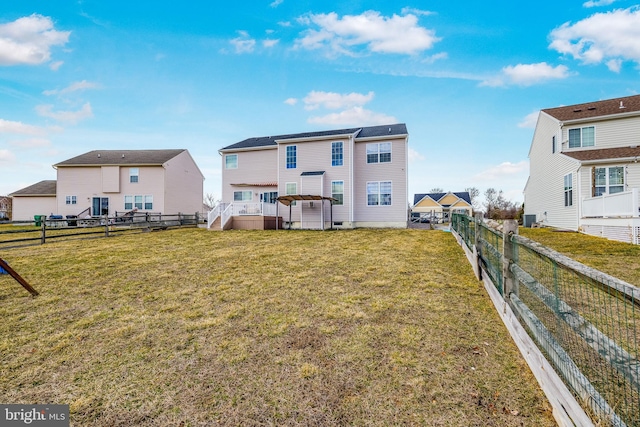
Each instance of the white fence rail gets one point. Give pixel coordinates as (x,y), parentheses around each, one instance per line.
(623,204)
(228,210)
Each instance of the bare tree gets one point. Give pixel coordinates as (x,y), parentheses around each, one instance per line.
(210,201)
(498,207)
(436,190)
(474,193)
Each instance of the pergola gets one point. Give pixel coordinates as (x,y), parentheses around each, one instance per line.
(290,198)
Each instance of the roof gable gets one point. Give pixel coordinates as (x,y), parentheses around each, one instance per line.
(122,157)
(441,198)
(609,107)
(363,132)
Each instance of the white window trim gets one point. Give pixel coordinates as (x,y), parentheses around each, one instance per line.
(567,190)
(243,193)
(581,128)
(341,152)
(286,157)
(132,174)
(379,193)
(608,184)
(332,193)
(226,165)
(377,144)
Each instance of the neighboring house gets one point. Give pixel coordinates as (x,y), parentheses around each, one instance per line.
(36,199)
(438,207)
(5,208)
(344,178)
(584,172)
(112,182)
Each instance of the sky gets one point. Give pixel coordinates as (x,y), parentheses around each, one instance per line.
(467,77)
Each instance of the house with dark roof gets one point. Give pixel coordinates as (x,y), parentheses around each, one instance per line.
(107,182)
(344,178)
(584,171)
(5,208)
(438,207)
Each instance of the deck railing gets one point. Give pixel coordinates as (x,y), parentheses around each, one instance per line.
(623,204)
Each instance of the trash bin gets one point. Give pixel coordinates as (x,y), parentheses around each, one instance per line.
(38,219)
(72,220)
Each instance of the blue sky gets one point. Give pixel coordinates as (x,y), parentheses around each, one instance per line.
(468,78)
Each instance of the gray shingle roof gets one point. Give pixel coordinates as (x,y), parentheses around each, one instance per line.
(363,132)
(42,188)
(122,157)
(607,107)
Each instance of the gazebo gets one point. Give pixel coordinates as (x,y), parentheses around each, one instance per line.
(290,198)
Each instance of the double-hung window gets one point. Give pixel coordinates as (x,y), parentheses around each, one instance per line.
(379,153)
(337,158)
(134,174)
(128,203)
(291,188)
(608,180)
(242,196)
(379,193)
(337,192)
(137,202)
(71,200)
(231,161)
(148,203)
(553,144)
(568,190)
(582,137)
(292,157)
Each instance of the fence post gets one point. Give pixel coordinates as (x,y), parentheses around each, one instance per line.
(106,226)
(476,254)
(510,283)
(180,218)
(43,227)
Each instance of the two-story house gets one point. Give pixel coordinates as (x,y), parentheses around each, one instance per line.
(584,172)
(438,207)
(344,178)
(106,182)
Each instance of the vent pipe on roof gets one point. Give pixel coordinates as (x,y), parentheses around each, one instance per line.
(123,156)
(622,105)
(98,155)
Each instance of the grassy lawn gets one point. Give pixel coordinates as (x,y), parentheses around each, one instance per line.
(190,327)
(621,260)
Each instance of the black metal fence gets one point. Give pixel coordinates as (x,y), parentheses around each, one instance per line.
(44,229)
(586,322)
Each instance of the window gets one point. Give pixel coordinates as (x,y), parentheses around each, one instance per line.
(608,180)
(71,200)
(553,144)
(134,174)
(379,153)
(291,157)
(269,197)
(138,202)
(242,196)
(231,161)
(337,192)
(379,193)
(336,154)
(291,188)
(568,190)
(582,137)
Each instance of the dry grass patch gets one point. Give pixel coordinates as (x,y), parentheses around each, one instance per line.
(189,327)
(619,259)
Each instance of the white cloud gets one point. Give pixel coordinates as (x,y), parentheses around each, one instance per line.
(503,171)
(73,87)
(334,101)
(596,3)
(433,58)
(528,74)
(7,156)
(529,121)
(29,40)
(414,155)
(291,101)
(244,43)
(356,116)
(369,30)
(54,66)
(65,116)
(417,12)
(610,37)
(7,126)
(270,42)
(276,3)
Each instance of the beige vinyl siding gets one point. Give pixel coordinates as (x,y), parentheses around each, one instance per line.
(254,167)
(314,156)
(25,207)
(110,179)
(608,133)
(394,171)
(82,182)
(545,187)
(182,188)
